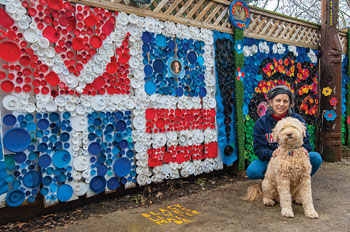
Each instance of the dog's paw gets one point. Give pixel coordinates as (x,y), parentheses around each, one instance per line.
(311,214)
(269,202)
(287,213)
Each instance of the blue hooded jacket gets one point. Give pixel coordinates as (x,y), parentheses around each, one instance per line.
(262,135)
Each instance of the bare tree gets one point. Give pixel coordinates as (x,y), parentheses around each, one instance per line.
(306,10)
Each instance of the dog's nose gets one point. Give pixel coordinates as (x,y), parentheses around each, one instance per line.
(289,135)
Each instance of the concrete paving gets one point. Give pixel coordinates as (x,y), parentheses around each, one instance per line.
(223,209)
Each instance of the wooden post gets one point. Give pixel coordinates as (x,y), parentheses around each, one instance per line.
(331,71)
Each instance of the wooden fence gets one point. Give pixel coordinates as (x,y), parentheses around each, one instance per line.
(213,14)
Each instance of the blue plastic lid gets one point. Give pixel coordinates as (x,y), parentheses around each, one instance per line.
(31,127)
(44,191)
(15,197)
(43,124)
(179,92)
(150,87)
(113,183)
(158,66)
(32,156)
(122,167)
(123,144)
(32,179)
(44,161)
(20,157)
(9,178)
(101,170)
(121,126)
(94,148)
(42,147)
(64,137)
(109,137)
(130,153)
(16,139)
(54,117)
(161,41)
(9,120)
(28,117)
(65,192)
(61,158)
(200,60)
(98,184)
(109,128)
(148,69)
(146,37)
(53,187)
(47,180)
(202,92)
(171,45)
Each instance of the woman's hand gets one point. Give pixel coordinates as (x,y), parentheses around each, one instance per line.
(275,152)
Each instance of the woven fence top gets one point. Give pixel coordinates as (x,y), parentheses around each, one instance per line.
(213,14)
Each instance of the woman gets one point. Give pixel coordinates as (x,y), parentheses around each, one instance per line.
(281,101)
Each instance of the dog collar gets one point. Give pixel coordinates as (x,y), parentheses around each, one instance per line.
(290,152)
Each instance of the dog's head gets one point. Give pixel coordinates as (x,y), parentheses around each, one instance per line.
(289,132)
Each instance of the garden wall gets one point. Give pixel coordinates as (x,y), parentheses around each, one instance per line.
(99,96)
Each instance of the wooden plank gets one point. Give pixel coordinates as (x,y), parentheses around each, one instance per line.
(160,6)
(273,28)
(286,29)
(212,14)
(218,20)
(205,11)
(195,9)
(172,7)
(183,8)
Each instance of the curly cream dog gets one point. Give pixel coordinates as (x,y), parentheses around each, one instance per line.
(288,173)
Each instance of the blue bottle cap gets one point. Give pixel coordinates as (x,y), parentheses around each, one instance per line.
(61,158)
(32,179)
(9,120)
(44,191)
(9,178)
(42,147)
(118,136)
(148,70)
(54,117)
(146,37)
(158,66)
(109,137)
(44,161)
(65,192)
(202,92)
(122,167)
(200,60)
(43,124)
(179,91)
(47,180)
(120,126)
(113,183)
(32,156)
(101,170)
(98,184)
(94,148)
(109,128)
(28,117)
(150,87)
(64,137)
(20,157)
(130,153)
(161,41)
(15,197)
(16,139)
(53,187)
(123,144)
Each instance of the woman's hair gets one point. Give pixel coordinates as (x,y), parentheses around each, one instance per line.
(280,89)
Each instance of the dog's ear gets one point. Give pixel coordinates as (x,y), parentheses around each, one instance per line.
(274,135)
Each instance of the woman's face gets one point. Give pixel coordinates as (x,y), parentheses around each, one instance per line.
(280,104)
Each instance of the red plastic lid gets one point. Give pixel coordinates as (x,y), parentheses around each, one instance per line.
(6,21)
(55,4)
(160,123)
(124,58)
(24,60)
(9,51)
(150,114)
(52,78)
(112,68)
(108,27)
(98,83)
(167,157)
(78,43)
(51,34)
(2,75)
(180,158)
(96,41)
(7,86)
(91,20)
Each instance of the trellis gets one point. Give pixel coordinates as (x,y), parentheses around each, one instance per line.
(213,14)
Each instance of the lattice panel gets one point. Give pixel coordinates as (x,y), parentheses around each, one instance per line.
(213,14)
